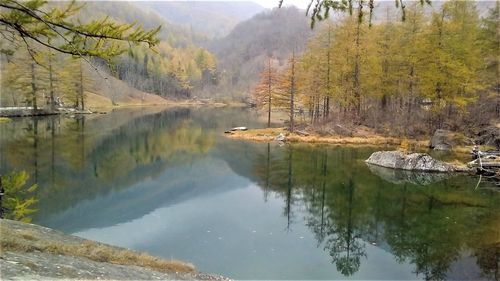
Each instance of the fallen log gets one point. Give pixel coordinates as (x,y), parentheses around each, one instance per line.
(239,129)
(486,163)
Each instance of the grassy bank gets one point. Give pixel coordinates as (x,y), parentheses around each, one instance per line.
(269,134)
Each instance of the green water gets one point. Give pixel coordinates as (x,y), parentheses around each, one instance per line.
(169,183)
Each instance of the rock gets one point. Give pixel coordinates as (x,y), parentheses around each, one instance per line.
(341,130)
(27,256)
(446,140)
(411,162)
(280,137)
(441,140)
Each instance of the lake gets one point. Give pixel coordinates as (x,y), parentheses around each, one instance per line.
(167,182)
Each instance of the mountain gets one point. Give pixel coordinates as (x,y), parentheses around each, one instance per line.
(243,53)
(213,18)
(177,66)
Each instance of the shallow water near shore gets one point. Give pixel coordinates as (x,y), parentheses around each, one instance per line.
(169,183)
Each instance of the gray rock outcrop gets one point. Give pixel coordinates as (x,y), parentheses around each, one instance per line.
(441,140)
(411,162)
(32,252)
(446,140)
(343,131)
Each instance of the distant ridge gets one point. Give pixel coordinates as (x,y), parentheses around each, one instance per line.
(213,18)
(243,53)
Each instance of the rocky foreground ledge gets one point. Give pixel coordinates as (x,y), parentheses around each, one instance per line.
(32,252)
(421,162)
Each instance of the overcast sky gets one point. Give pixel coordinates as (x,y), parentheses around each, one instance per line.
(274,3)
(265,3)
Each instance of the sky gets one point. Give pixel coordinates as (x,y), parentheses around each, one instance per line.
(264,3)
(273,3)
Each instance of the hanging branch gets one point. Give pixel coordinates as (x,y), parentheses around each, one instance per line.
(27,20)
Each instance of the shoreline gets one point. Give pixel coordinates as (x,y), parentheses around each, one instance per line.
(270,134)
(11,112)
(407,146)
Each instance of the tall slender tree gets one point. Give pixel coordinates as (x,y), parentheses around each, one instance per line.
(287,90)
(266,89)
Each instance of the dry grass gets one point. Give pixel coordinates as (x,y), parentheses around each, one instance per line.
(93,100)
(27,241)
(5,119)
(28,235)
(270,134)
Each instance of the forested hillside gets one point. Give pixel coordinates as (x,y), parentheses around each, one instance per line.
(213,18)
(245,51)
(433,70)
(174,68)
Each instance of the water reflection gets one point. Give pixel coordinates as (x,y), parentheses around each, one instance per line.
(81,158)
(141,171)
(430,226)
(412,177)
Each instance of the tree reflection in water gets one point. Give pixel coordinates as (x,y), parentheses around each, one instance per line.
(347,208)
(344,241)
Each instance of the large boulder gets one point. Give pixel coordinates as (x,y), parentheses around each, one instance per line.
(342,130)
(440,140)
(446,140)
(411,162)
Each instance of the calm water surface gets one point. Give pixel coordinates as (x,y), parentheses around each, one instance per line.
(167,182)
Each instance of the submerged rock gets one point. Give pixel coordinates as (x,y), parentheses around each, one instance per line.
(411,162)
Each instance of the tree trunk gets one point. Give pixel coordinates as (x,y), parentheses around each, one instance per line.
(326,112)
(292,95)
(51,84)
(356,84)
(33,87)
(269,96)
(81,87)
